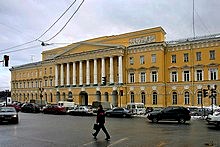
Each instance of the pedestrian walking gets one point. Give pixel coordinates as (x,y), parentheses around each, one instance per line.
(100,120)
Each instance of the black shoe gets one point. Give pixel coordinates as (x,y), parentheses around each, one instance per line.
(93,134)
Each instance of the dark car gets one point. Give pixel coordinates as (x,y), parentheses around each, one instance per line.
(80,110)
(30,108)
(199,111)
(54,109)
(172,113)
(8,114)
(119,112)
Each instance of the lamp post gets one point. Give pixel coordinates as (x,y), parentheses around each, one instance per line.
(41,96)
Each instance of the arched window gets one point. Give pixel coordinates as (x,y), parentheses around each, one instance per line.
(186,98)
(143,97)
(64,96)
(51,97)
(199,97)
(174,98)
(132,97)
(154,98)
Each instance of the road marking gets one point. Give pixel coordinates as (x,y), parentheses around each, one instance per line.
(89,143)
(117,142)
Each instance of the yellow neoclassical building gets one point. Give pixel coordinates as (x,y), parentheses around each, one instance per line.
(137,66)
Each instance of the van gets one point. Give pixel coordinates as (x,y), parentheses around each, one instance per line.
(66,104)
(136,108)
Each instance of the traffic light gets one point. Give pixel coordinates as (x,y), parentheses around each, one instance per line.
(205,93)
(103,80)
(6,59)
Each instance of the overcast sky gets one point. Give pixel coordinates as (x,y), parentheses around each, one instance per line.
(22,21)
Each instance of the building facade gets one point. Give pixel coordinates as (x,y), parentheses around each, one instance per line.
(132,67)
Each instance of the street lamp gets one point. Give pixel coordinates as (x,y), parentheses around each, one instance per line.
(41,96)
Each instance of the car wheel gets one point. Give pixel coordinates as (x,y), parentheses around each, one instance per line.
(182,121)
(155,120)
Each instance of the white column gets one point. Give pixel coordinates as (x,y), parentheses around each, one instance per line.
(103,68)
(61,75)
(87,73)
(95,72)
(74,73)
(80,73)
(68,74)
(56,75)
(120,79)
(111,71)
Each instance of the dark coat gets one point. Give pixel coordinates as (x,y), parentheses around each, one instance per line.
(100,116)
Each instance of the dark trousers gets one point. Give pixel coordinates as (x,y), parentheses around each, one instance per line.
(102,126)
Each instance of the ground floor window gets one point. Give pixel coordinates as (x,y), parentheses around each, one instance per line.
(186,98)
(132,97)
(174,98)
(154,98)
(199,97)
(143,97)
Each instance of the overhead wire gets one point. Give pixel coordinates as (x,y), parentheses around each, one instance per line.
(37,39)
(66,22)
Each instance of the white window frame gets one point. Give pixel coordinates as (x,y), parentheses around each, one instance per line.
(142,60)
(196,73)
(142,77)
(186,57)
(173,58)
(153,76)
(131,77)
(131,60)
(183,75)
(173,78)
(186,98)
(198,56)
(153,58)
(213,71)
(212,54)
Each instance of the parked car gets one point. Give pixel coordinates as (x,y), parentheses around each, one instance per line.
(80,110)
(17,107)
(8,114)
(119,112)
(54,109)
(30,107)
(214,119)
(136,108)
(194,111)
(172,113)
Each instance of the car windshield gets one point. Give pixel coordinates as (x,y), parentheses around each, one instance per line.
(7,109)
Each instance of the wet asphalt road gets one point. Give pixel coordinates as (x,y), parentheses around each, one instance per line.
(41,130)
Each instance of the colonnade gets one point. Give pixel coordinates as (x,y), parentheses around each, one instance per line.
(59,72)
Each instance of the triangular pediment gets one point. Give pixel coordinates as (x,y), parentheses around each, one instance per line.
(81,47)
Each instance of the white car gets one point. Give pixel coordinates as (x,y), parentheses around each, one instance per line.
(214,119)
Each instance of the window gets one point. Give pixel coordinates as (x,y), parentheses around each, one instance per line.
(142,77)
(174,98)
(45,83)
(198,56)
(186,76)
(132,97)
(153,58)
(24,84)
(36,84)
(212,54)
(50,70)
(45,71)
(51,82)
(32,84)
(199,97)
(131,60)
(199,75)
(186,57)
(143,97)
(173,59)
(213,74)
(154,76)
(154,98)
(186,98)
(131,77)
(174,76)
(141,59)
